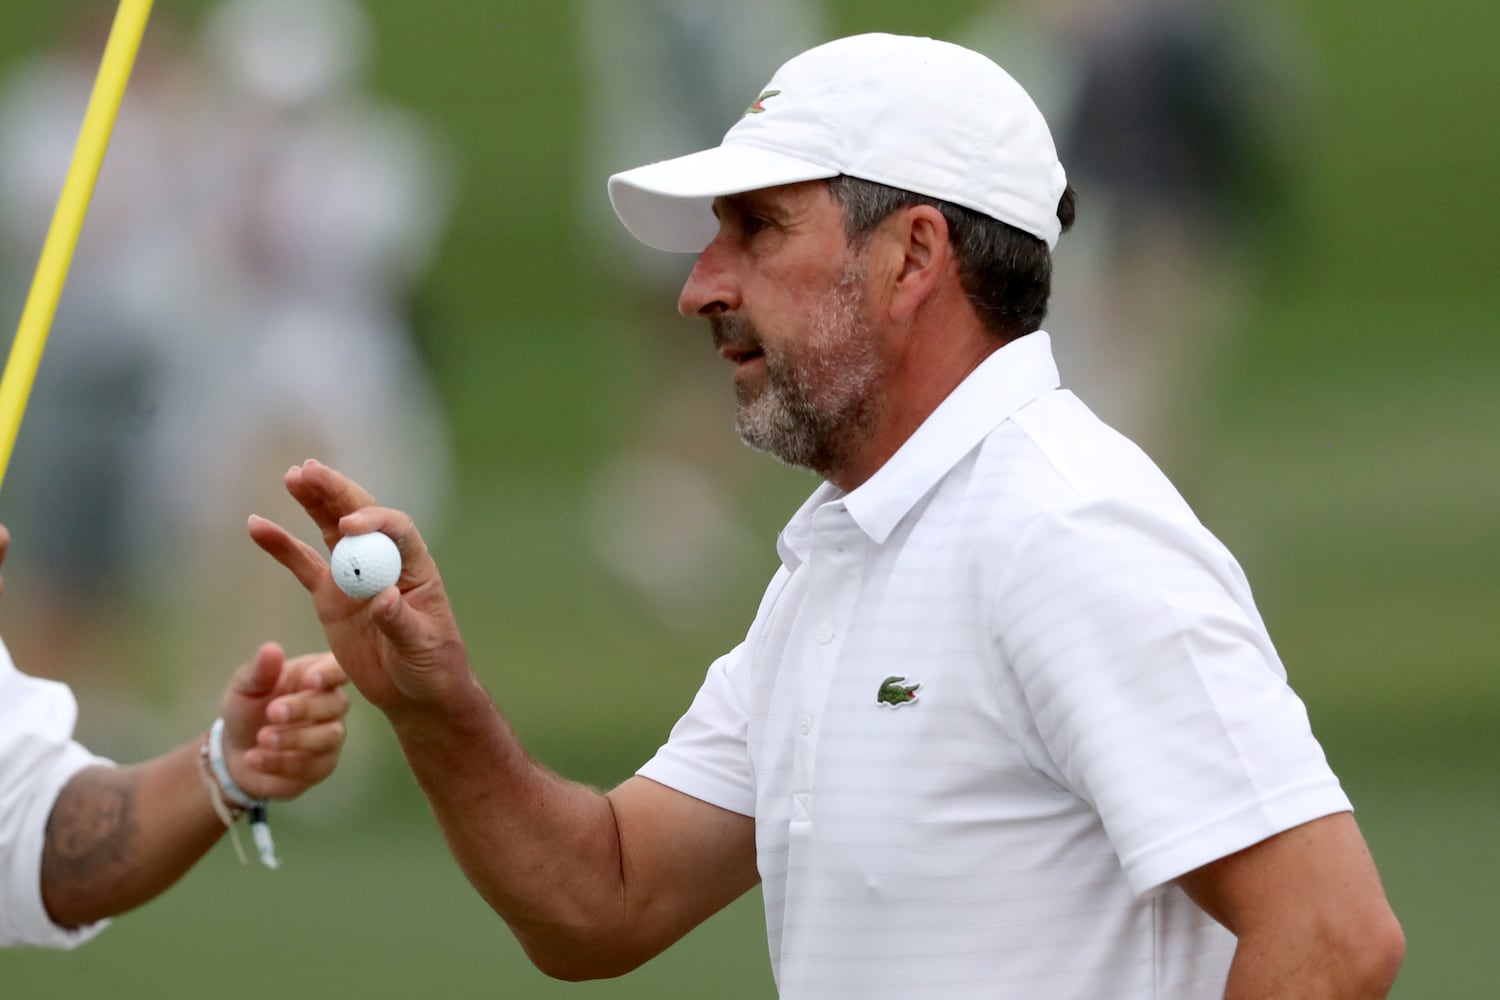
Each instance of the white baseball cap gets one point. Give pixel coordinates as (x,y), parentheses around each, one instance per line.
(919,114)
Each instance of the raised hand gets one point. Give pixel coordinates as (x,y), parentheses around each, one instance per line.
(401,648)
(284,722)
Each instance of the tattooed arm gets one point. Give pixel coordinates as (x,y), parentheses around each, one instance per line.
(119,836)
(112,838)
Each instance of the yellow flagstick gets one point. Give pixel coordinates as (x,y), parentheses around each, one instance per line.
(67,221)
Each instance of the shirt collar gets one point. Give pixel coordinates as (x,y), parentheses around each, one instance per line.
(1004,382)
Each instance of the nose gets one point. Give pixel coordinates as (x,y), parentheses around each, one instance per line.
(710,288)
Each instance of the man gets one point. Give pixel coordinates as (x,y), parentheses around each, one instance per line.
(1007,722)
(82,840)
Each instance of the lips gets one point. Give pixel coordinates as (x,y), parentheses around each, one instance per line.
(736,340)
(739,353)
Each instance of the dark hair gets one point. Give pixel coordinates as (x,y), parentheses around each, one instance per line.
(1006,273)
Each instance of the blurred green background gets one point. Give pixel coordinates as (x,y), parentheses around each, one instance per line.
(1347,453)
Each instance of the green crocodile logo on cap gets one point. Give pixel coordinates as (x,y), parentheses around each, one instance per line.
(758,106)
(892,692)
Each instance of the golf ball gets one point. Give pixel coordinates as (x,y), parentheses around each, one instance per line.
(364,565)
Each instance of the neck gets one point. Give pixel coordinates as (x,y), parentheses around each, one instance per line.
(916,387)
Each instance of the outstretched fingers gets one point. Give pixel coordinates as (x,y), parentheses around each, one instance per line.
(402,644)
(339,507)
(304,561)
(327,495)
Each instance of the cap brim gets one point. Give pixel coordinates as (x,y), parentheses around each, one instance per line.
(669,205)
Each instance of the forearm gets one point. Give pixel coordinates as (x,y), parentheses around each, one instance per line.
(1309,913)
(591,885)
(541,850)
(119,836)
(1324,971)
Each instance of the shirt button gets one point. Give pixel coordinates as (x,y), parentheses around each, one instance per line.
(825,635)
(806,723)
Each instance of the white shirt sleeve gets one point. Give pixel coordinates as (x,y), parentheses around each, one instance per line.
(706,755)
(37,757)
(1154,689)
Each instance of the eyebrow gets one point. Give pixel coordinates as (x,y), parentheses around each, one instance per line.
(756,201)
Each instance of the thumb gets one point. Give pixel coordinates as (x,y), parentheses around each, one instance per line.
(257,679)
(427,648)
(243,708)
(399,622)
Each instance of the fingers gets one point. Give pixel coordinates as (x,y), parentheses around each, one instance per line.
(305,563)
(326,495)
(286,761)
(400,645)
(284,740)
(304,731)
(324,492)
(417,566)
(257,679)
(312,671)
(288,775)
(304,707)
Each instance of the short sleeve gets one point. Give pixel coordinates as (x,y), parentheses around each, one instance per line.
(706,755)
(37,757)
(1154,689)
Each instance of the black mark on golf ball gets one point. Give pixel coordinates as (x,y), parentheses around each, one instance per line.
(356,571)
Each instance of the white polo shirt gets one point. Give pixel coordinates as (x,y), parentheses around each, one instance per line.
(37,757)
(994,701)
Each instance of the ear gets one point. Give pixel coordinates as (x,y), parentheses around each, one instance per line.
(920,235)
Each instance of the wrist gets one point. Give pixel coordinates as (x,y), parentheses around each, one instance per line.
(218,762)
(229,800)
(461,715)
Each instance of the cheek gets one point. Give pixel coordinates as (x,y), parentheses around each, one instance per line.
(797,311)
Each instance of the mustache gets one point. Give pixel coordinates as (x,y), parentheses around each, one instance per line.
(734,331)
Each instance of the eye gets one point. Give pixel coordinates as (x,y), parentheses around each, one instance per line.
(750,223)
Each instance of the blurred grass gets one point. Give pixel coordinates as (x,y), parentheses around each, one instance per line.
(378,911)
(1348,456)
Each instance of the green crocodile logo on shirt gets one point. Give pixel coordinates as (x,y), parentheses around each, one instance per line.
(758,107)
(892,692)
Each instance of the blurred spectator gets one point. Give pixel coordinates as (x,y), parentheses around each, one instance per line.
(1173,118)
(72,486)
(244,291)
(662,77)
(322,214)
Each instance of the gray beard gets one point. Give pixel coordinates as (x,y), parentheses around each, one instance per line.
(819,402)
